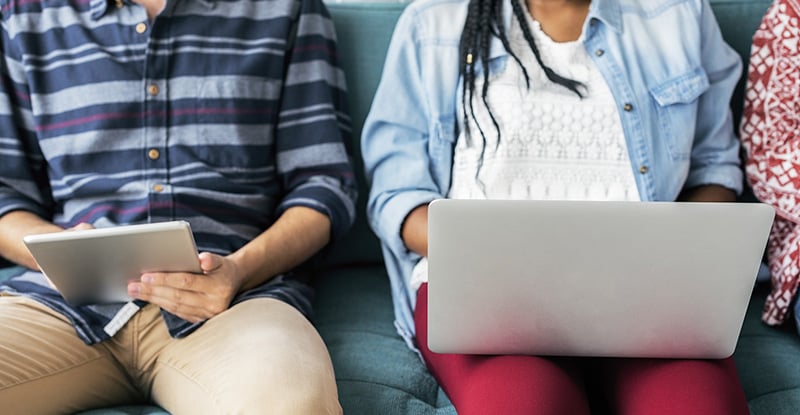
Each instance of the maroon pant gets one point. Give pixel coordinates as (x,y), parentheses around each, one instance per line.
(479,384)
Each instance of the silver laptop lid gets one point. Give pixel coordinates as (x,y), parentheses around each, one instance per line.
(630,279)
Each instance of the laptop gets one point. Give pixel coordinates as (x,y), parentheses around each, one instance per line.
(94,266)
(613,279)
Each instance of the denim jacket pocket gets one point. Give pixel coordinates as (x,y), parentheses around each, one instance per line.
(676,109)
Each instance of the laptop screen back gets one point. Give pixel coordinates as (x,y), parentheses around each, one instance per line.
(627,279)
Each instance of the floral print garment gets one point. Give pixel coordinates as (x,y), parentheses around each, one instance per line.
(770,133)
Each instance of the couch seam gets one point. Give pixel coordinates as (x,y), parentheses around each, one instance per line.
(773,392)
(382,384)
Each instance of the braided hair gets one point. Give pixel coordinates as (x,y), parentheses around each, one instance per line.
(484,20)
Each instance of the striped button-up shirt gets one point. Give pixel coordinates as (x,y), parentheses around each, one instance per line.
(221,113)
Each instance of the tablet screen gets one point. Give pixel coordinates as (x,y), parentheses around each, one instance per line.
(94,266)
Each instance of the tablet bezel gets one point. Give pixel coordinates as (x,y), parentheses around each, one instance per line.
(94,266)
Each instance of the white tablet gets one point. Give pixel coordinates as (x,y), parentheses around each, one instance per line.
(94,266)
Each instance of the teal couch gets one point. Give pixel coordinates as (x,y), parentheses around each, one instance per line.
(376,373)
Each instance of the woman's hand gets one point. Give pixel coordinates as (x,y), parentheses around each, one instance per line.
(414,230)
(708,193)
(192,297)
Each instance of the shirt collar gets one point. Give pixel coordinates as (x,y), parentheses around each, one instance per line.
(607,11)
(100,7)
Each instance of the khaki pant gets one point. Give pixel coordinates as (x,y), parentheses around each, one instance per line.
(259,357)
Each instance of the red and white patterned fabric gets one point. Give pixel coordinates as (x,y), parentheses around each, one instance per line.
(770,134)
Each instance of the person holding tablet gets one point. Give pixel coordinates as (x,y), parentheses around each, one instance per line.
(230,116)
(551,100)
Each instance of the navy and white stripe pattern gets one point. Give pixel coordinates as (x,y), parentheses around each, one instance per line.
(222,113)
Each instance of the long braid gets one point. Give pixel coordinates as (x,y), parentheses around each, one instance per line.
(485,19)
(474,46)
(570,84)
(467,55)
(500,33)
(485,32)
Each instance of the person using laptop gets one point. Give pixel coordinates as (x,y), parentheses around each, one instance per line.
(228,115)
(551,99)
(769,137)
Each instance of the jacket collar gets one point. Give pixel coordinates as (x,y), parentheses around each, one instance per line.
(607,11)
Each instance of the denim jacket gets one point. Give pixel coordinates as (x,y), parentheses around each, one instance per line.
(668,68)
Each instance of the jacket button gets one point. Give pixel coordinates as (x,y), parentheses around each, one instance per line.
(643,169)
(628,107)
(599,52)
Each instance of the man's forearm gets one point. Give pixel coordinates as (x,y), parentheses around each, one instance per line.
(13,227)
(299,233)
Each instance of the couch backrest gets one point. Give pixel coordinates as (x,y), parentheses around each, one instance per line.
(364,31)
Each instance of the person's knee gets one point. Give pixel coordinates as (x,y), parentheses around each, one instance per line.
(267,359)
(323,402)
(301,388)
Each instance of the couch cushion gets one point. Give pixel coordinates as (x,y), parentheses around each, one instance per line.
(375,371)
(768,364)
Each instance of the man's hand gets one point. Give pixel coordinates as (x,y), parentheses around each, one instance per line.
(192,297)
(80,227)
(297,234)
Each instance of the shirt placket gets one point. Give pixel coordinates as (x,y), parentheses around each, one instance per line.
(155,121)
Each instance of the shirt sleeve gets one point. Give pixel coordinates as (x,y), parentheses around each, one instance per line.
(715,150)
(313,155)
(396,139)
(23,171)
(769,129)
(769,133)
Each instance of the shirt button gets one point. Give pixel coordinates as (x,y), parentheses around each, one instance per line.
(158,188)
(153,154)
(141,28)
(643,169)
(599,52)
(152,89)
(628,107)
